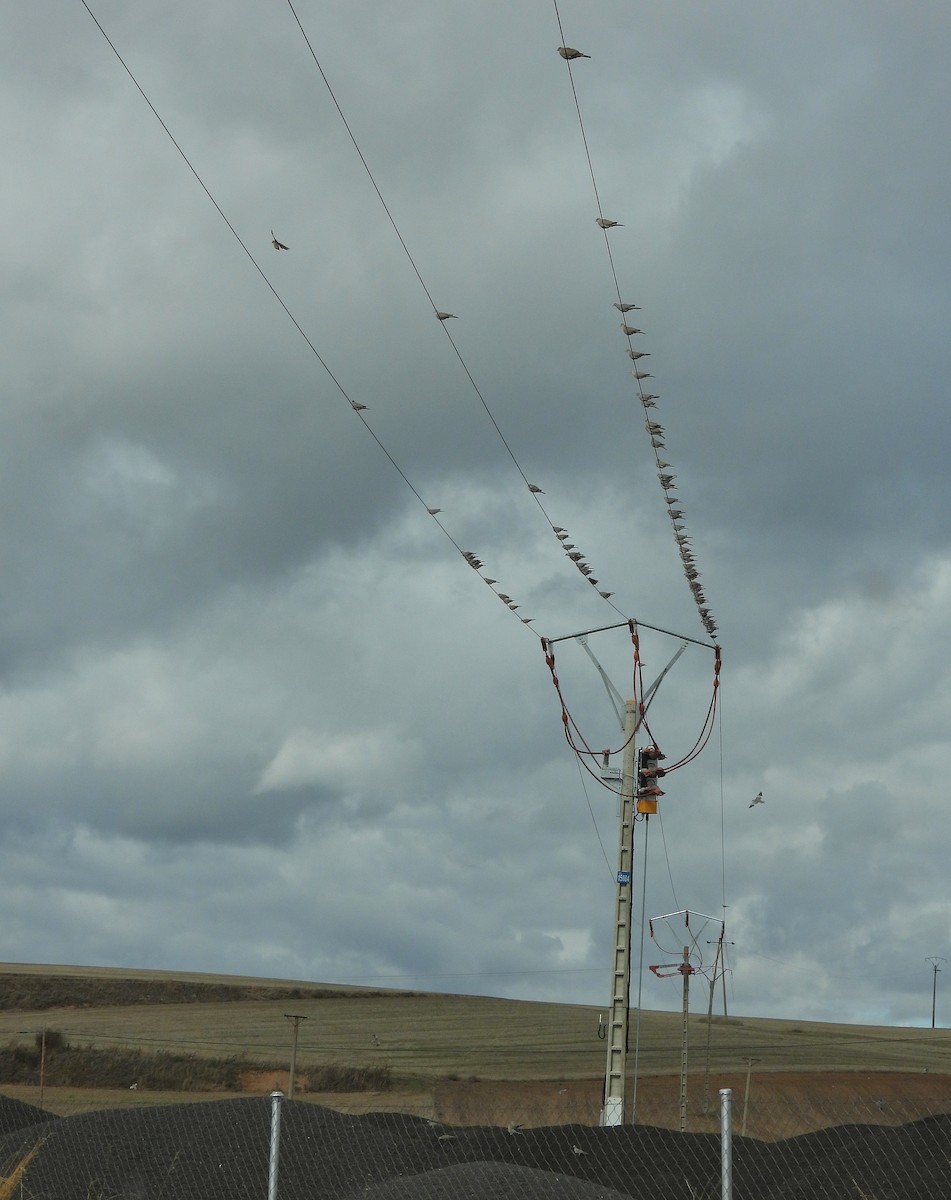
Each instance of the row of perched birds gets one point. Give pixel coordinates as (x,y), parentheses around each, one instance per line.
(655,431)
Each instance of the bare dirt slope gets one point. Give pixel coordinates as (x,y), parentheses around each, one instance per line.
(780,1104)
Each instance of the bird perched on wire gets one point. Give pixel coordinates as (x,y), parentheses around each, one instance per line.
(757,799)
(276,244)
(357,406)
(535,489)
(628,330)
(445,316)
(569,53)
(621,307)
(606,223)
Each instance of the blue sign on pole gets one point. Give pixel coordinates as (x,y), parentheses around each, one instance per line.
(624,877)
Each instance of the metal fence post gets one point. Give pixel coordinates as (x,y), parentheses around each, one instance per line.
(276,1098)
(726,1143)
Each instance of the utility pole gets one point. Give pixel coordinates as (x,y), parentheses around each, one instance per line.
(295,1019)
(686,970)
(615,1072)
(615,1032)
(43,1062)
(718,960)
(934,960)
(746,1094)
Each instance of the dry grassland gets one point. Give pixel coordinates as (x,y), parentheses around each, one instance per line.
(430,1041)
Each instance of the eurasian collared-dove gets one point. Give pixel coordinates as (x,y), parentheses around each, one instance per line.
(605,223)
(569,52)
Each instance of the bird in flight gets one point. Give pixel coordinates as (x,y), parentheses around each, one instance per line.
(276,244)
(757,799)
(569,52)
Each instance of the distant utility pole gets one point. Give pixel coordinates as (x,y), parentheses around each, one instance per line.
(934,960)
(295,1019)
(746,1094)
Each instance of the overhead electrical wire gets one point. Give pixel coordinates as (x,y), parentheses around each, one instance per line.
(648,399)
(576,557)
(357,406)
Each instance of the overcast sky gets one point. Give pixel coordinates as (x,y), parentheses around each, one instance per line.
(258,715)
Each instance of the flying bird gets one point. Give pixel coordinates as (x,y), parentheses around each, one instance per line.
(276,244)
(535,489)
(758,798)
(569,52)
(605,223)
(444,316)
(513,1128)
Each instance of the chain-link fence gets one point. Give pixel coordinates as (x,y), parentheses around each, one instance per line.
(222,1149)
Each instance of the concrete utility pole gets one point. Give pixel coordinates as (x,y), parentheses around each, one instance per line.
(746,1094)
(934,960)
(686,970)
(614,1078)
(295,1019)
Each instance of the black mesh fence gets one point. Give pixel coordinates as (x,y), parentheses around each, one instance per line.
(220,1149)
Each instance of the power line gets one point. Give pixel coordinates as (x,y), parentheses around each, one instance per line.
(534,491)
(648,399)
(358,407)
